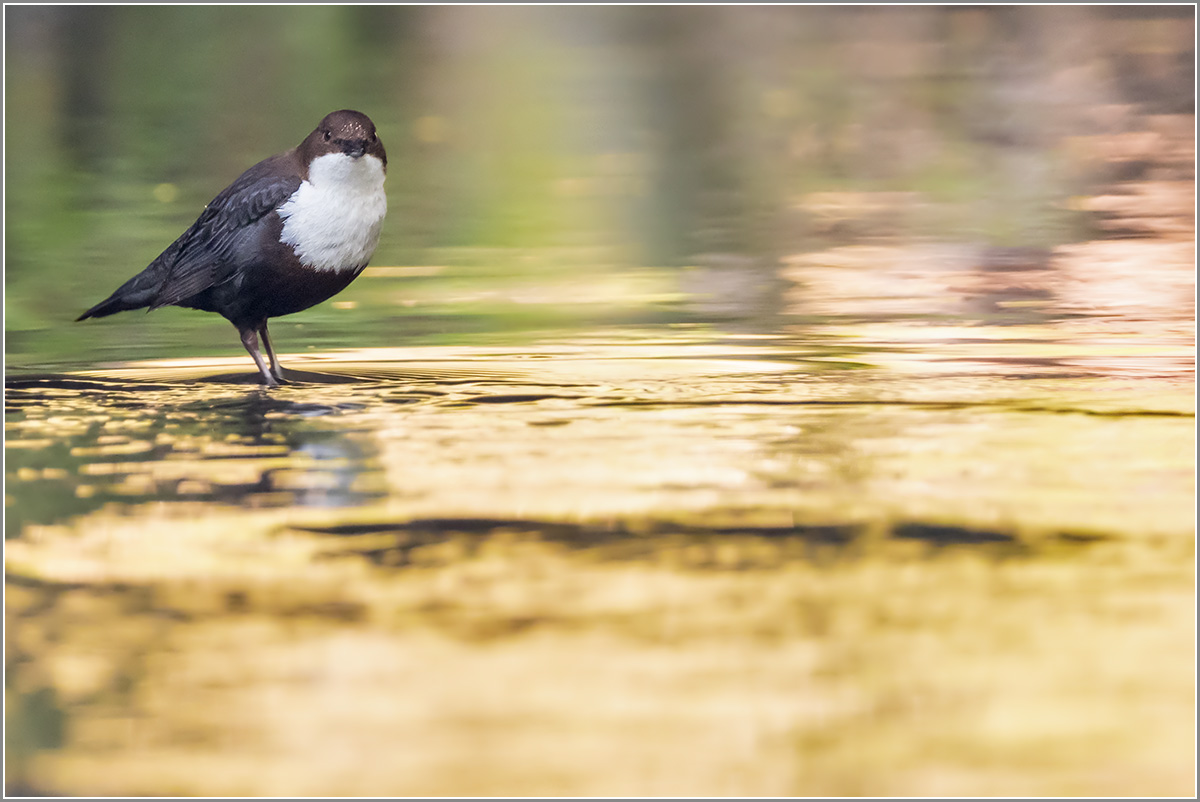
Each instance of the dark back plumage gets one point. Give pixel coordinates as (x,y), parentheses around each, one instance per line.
(236,259)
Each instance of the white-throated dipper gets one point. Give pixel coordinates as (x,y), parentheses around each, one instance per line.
(290,232)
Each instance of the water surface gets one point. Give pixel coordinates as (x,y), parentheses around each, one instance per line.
(696,556)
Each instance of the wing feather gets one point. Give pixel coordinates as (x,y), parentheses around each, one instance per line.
(203,256)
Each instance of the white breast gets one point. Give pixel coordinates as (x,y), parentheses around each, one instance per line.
(333,220)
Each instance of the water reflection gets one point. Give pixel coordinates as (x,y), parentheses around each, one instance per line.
(696,419)
(85,444)
(588,510)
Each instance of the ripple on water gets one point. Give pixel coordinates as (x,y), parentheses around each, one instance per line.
(587,432)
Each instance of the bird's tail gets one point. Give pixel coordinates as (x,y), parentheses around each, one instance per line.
(140,291)
(110,306)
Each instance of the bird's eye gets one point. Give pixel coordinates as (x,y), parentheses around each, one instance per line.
(328,136)
(372,136)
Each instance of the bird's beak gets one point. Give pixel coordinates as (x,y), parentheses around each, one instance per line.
(354,148)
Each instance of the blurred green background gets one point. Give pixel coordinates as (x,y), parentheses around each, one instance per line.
(587,152)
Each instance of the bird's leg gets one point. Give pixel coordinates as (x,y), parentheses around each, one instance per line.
(276,368)
(250,341)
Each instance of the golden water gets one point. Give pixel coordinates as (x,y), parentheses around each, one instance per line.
(682,566)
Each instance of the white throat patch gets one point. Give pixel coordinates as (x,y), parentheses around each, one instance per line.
(333,219)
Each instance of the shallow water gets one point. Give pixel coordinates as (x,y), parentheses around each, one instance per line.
(579,429)
(967,550)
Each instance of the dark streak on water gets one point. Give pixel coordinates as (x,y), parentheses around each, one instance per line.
(644,537)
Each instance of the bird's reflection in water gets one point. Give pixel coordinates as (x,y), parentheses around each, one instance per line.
(303,458)
(127,443)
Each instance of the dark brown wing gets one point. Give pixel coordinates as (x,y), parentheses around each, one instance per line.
(207,254)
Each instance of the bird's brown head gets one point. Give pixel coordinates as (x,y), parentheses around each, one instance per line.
(345,131)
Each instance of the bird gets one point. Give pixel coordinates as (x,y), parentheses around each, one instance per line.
(292,231)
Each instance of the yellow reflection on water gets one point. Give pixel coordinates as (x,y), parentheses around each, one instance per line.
(660,569)
(300,664)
